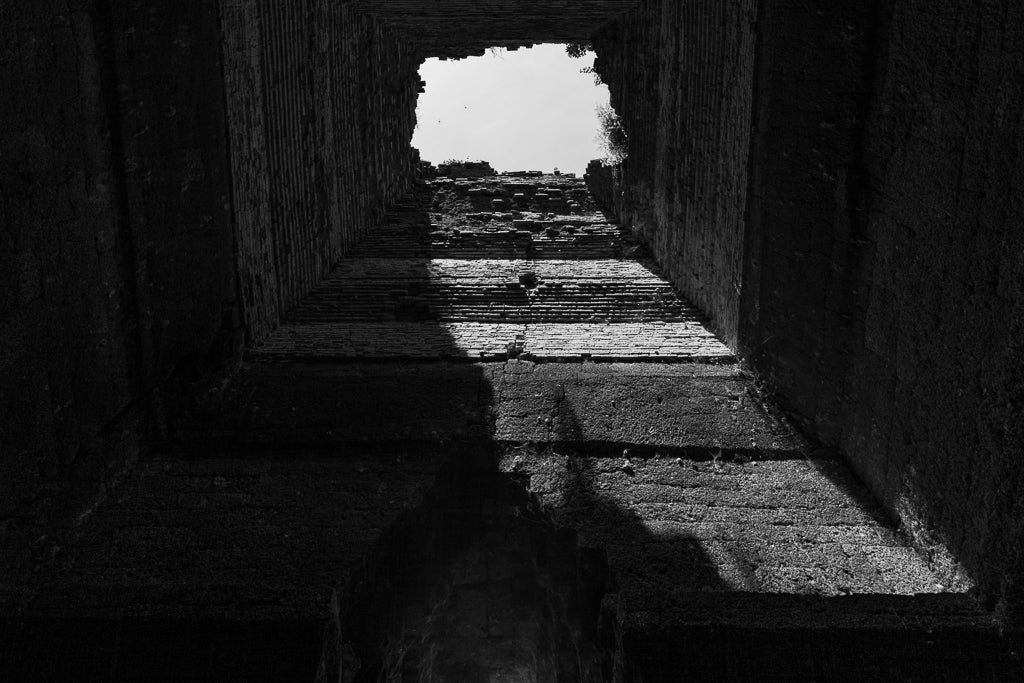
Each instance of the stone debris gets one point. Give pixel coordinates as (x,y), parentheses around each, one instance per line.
(529,279)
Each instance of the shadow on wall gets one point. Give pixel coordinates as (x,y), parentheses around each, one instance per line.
(474,583)
(478,582)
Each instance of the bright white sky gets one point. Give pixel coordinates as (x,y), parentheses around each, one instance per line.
(530,109)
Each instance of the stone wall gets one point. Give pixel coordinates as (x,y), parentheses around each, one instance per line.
(804,241)
(116,263)
(321,105)
(934,410)
(173,142)
(67,300)
(860,242)
(882,295)
(681,79)
(862,247)
(175,175)
(458,28)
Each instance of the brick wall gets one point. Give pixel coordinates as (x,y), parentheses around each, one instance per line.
(321,109)
(486,23)
(874,235)
(843,196)
(681,79)
(321,103)
(176,174)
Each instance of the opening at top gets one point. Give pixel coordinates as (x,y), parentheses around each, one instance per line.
(537,108)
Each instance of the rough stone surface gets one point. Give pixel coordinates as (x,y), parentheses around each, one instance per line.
(490,23)
(671,405)
(492,290)
(681,78)
(178,174)
(860,248)
(763,525)
(242,538)
(894,332)
(665,342)
(380,303)
(935,409)
(679,405)
(65,358)
(116,251)
(321,105)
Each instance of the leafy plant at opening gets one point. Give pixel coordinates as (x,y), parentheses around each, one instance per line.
(579,51)
(611,136)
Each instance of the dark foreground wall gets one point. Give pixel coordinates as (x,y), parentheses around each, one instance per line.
(934,416)
(116,254)
(868,258)
(883,294)
(67,298)
(175,175)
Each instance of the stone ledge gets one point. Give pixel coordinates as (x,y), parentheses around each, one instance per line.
(671,405)
(658,342)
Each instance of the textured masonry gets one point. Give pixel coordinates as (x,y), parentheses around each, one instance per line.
(321,104)
(838,186)
(681,76)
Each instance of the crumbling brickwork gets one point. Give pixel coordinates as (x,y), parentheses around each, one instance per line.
(487,23)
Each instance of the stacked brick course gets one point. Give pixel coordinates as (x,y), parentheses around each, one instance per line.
(321,104)
(551,279)
(681,77)
(489,23)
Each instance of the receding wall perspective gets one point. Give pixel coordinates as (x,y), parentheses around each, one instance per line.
(850,221)
(321,107)
(204,206)
(682,81)
(935,394)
